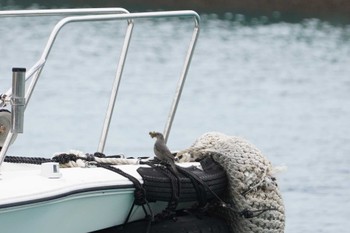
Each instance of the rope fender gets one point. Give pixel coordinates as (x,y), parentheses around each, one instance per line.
(255,203)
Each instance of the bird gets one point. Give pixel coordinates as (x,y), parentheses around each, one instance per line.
(161,150)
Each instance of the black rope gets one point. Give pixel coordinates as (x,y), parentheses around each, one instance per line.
(201,182)
(169,212)
(27,160)
(139,195)
(102,155)
(198,186)
(61,158)
(254,213)
(140,192)
(65,158)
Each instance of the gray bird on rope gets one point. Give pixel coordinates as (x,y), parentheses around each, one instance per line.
(161,150)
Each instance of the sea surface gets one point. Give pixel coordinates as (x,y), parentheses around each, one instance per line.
(283,86)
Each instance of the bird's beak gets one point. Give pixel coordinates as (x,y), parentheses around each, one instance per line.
(151,134)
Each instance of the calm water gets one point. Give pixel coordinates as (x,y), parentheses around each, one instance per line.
(285,87)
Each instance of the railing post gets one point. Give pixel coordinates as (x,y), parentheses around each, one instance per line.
(18,106)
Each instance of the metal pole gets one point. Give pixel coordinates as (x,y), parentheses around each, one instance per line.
(18,107)
(115,89)
(181,83)
(63,12)
(17,99)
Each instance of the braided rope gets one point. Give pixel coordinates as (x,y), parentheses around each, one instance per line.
(74,158)
(117,161)
(252,185)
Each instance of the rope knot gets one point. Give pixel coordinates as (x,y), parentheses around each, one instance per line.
(64,158)
(246,213)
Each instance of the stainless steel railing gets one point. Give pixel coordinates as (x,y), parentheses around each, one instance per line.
(62,12)
(129,17)
(35,71)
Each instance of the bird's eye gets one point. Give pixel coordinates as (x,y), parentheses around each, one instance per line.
(181,156)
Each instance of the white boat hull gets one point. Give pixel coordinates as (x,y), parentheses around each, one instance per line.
(82,200)
(82,212)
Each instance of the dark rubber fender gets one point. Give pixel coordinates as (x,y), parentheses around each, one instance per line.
(183,224)
(158,186)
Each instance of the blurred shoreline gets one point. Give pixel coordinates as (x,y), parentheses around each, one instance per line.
(289,10)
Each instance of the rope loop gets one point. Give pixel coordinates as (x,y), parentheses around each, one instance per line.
(140,196)
(99,155)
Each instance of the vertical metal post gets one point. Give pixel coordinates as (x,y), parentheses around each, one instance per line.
(181,81)
(18,99)
(18,106)
(115,87)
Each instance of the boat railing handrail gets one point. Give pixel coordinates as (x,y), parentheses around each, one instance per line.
(55,12)
(61,12)
(37,68)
